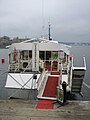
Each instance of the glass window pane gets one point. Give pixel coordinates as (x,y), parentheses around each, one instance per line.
(48,55)
(41,55)
(54,55)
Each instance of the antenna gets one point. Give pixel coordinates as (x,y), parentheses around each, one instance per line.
(49,32)
(43,20)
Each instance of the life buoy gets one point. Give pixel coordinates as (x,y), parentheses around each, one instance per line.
(14,57)
(70,58)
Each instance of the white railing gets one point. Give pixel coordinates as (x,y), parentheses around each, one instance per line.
(41,80)
(71,77)
(84,62)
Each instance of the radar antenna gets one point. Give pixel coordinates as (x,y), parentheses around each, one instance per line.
(50,32)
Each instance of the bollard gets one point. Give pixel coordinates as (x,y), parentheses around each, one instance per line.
(64,90)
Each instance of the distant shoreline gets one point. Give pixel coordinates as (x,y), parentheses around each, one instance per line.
(5,41)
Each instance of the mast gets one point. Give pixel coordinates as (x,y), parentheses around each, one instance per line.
(50,32)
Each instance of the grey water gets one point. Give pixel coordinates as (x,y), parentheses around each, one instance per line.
(77,51)
(3,73)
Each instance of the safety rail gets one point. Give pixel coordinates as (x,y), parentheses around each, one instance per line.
(29,64)
(41,80)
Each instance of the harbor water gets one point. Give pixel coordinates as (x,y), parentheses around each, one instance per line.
(77,51)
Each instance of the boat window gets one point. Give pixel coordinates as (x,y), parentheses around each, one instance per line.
(54,55)
(65,55)
(30,54)
(48,55)
(64,59)
(47,65)
(24,55)
(41,55)
(9,58)
(46,59)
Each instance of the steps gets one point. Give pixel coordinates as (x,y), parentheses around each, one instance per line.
(77,79)
(55,73)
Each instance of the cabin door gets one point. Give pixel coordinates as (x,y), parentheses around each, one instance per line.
(54,66)
(54,58)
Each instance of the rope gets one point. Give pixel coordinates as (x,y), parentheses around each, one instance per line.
(88,86)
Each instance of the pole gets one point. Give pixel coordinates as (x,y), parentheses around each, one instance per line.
(49,32)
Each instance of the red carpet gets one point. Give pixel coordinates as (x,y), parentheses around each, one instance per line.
(51,87)
(45,104)
(49,91)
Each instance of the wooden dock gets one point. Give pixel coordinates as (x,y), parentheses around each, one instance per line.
(26,110)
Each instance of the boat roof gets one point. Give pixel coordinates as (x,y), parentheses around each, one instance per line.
(44,45)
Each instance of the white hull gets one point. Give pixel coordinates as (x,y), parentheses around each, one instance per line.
(22,93)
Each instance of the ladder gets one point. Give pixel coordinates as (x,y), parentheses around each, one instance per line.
(77,77)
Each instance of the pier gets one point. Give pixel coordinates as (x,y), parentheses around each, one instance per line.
(26,110)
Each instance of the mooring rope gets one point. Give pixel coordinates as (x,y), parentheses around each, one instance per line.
(88,86)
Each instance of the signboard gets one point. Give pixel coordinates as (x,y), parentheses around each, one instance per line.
(35,57)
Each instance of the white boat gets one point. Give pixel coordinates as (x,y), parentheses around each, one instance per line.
(38,68)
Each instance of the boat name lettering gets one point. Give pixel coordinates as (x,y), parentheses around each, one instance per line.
(35,54)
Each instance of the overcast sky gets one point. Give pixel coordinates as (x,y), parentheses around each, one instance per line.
(70,19)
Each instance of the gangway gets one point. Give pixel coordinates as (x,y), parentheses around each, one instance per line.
(77,77)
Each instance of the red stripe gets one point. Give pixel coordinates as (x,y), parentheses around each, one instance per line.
(49,91)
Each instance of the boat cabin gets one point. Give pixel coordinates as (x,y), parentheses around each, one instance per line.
(38,54)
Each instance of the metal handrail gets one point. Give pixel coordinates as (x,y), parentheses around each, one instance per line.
(27,65)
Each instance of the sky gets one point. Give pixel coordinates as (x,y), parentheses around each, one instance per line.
(69,19)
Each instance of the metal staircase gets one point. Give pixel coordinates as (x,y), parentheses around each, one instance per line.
(77,77)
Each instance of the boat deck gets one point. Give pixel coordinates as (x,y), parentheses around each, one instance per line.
(26,110)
